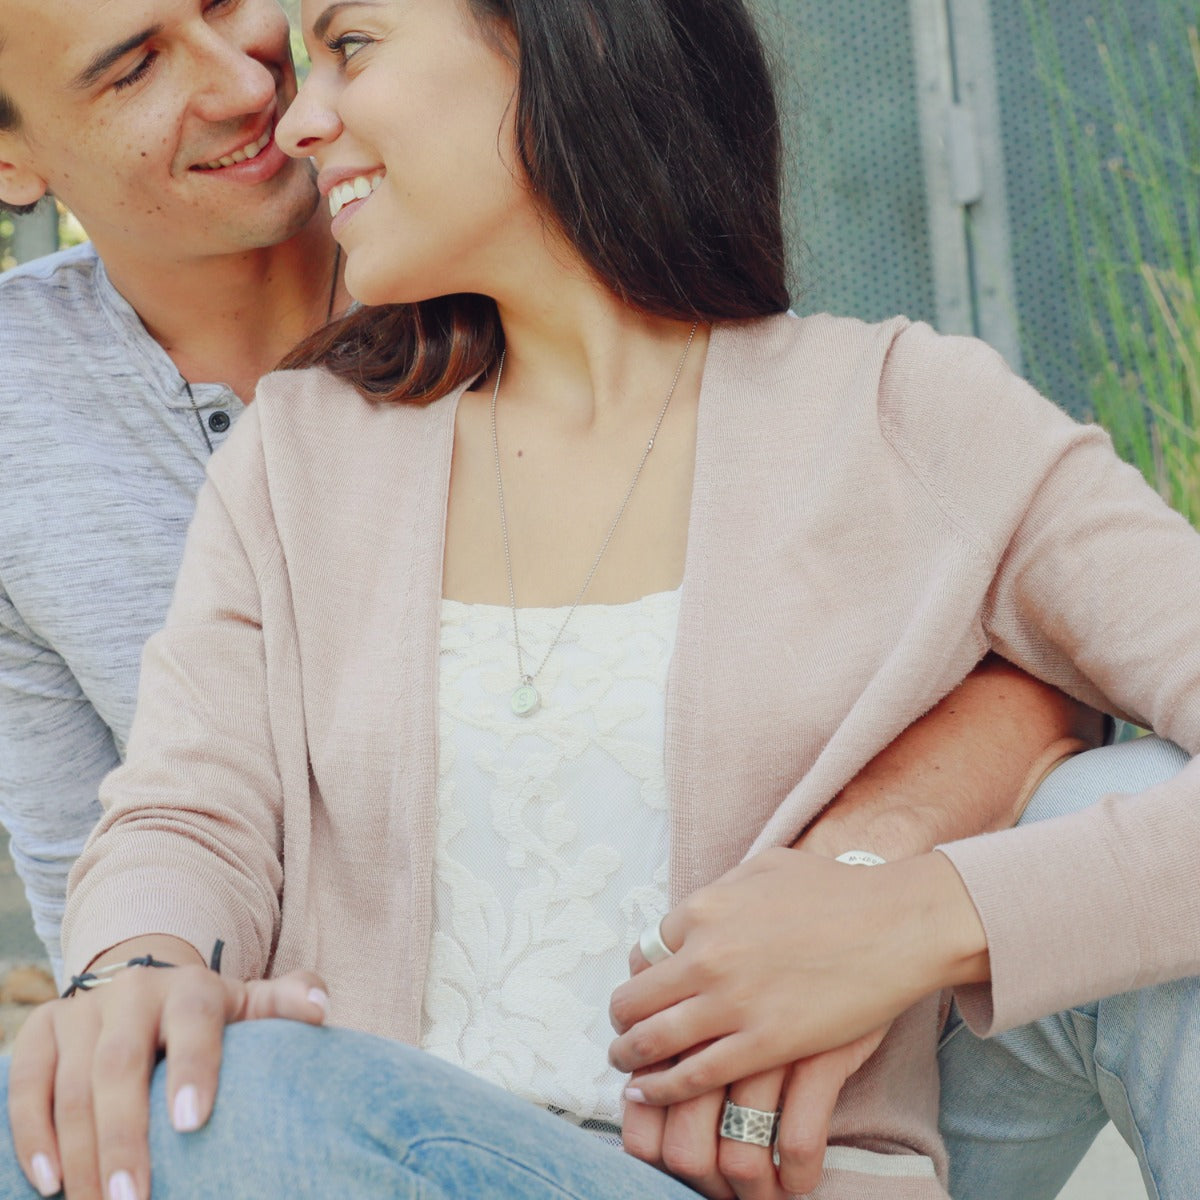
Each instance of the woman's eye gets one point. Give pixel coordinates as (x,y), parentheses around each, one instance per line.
(348,45)
(138,72)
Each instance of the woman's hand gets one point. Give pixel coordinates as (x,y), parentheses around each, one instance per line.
(80,1072)
(788,955)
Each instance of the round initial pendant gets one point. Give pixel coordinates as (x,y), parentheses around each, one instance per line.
(525,700)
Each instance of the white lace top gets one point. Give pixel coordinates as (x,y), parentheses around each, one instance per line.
(551,849)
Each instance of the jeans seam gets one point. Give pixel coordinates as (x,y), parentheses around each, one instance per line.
(523,1168)
(1140,1149)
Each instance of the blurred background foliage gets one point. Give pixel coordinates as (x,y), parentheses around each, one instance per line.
(1129,173)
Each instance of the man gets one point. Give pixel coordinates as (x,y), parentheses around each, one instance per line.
(124,364)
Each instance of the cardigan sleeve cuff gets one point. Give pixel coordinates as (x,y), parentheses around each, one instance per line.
(144,904)
(1056,933)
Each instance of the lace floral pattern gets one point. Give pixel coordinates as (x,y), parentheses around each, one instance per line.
(551,848)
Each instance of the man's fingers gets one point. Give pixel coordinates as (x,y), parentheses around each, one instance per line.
(749,1168)
(31,1101)
(690,1144)
(812,1092)
(642,1130)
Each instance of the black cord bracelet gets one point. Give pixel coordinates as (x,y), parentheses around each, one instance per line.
(102,975)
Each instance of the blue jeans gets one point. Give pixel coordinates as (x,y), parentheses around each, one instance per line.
(306,1112)
(1019,1110)
(316,1113)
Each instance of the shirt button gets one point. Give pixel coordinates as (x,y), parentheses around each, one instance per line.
(218,422)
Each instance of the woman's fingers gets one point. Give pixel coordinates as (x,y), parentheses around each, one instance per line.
(126,1047)
(749,1168)
(193,1028)
(678,1029)
(80,1073)
(726,1059)
(31,1101)
(297,996)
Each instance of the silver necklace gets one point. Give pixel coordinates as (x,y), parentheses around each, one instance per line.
(526,699)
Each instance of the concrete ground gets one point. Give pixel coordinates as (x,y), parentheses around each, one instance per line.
(1109,1172)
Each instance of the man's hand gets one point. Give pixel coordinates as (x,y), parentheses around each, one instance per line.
(79,1080)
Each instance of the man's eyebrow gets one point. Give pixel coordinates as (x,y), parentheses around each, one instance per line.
(105,59)
(322,23)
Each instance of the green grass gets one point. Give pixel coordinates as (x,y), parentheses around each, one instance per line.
(1130,176)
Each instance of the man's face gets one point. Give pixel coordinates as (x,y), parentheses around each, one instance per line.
(153,120)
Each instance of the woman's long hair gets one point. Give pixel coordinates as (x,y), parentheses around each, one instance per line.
(649,133)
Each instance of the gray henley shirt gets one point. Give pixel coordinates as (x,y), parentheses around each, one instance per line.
(101,456)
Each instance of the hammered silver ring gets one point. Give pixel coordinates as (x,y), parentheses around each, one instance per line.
(752,1125)
(651,944)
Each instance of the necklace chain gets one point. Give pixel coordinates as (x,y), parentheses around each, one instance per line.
(525,699)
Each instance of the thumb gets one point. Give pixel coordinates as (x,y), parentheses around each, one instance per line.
(297,996)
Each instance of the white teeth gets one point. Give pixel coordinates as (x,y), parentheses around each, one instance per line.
(358,188)
(246,152)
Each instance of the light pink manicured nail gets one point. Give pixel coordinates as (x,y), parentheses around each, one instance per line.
(320,999)
(185,1112)
(44,1177)
(635,1094)
(120,1186)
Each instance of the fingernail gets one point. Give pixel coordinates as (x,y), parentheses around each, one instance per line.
(635,1094)
(185,1113)
(44,1176)
(320,999)
(120,1186)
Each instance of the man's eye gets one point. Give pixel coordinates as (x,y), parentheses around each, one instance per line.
(138,72)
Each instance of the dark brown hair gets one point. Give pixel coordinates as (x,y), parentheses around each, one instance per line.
(649,133)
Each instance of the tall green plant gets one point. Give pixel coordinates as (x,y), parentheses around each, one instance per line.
(1130,176)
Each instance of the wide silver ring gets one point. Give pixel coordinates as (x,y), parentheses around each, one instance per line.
(753,1125)
(651,944)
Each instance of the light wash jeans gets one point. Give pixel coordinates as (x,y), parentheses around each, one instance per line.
(327,1113)
(1020,1110)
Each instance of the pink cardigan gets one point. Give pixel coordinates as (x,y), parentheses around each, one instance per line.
(874,507)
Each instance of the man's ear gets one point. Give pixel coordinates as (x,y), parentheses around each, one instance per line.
(20,184)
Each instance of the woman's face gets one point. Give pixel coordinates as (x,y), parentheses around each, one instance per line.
(408,113)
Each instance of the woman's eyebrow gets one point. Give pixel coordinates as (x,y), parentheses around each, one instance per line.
(321,24)
(105,59)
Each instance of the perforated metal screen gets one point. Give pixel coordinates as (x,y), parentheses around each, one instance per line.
(857,203)
(861,223)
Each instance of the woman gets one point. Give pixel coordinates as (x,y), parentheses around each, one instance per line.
(348,686)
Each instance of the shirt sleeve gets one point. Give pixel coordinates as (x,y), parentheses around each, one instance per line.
(54,751)
(1095,590)
(190,843)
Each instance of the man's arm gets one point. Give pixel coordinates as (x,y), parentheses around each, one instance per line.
(968,766)
(54,751)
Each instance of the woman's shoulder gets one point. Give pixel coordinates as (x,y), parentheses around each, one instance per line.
(312,415)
